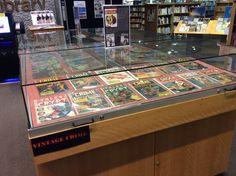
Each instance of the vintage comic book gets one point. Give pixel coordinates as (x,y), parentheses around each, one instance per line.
(45,65)
(195,65)
(52,88)
(202,81)
(223,77)
(172,69)
(109,70)
(52,108)
(146,73)
(111,17)
(121,94)
(89,101)
(116,78)
(85,83)
(176,84)
(150,89)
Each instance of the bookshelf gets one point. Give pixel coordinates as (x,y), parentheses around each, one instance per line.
(220,7)
(163,18)
(210,7)
(137,16)
(231,38)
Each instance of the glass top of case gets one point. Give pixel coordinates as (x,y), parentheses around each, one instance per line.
(42,67)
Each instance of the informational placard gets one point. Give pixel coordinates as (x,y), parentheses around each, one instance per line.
(116,25)
(81,5)
(98,8)
(60,141)
(4,25)
(43,18)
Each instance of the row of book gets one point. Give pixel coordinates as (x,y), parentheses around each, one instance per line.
(164,30)
(142,9)
(62,100)
(163,20)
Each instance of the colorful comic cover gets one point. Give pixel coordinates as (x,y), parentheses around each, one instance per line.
(116,78)
(52,88)
(171,69)
(45,65)
(89,101)
(196,65)
(150,89)
(52,108)
(176,84)
(111,17)
(109,70)
(223,78)
(146,73)
(202,81)
(120,94)
(85,83)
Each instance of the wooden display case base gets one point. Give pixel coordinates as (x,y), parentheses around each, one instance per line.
(192,138)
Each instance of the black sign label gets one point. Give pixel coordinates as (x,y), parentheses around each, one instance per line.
(60,141)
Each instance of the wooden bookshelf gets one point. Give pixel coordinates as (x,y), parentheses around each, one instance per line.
(170,13)
(137,16)
(220,7)
(232,28)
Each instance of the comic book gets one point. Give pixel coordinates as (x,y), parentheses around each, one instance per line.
(176,84)
(150,89)
(171,69)
(85,83)
(45,65)
(221,76)
(89,101)
(52,88)
(52,108)
(195,65)
(120,94)
(109,70)
(202,81)
(146,73)
(115,78)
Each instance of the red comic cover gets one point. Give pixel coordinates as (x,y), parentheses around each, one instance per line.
(51,109)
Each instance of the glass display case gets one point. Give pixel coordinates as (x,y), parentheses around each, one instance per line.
(68,88)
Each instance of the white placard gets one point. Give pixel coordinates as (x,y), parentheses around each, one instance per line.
(98,8)
(42,18)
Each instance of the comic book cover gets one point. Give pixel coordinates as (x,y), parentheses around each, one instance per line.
(52,108)
(85,83)
(146,73)
(45,65)
(115,78)
(109,70)
(171,69)
(196,65)
(89,101)
(150,89)
(223,77)
(111,17)
(176,84)
(202,81)
(52,88)
(120,94)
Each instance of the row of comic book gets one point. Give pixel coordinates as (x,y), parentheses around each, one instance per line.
(63,100)
(44,67)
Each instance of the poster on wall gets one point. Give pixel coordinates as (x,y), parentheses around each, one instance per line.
(98,8)
(116,25)
(81,5)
